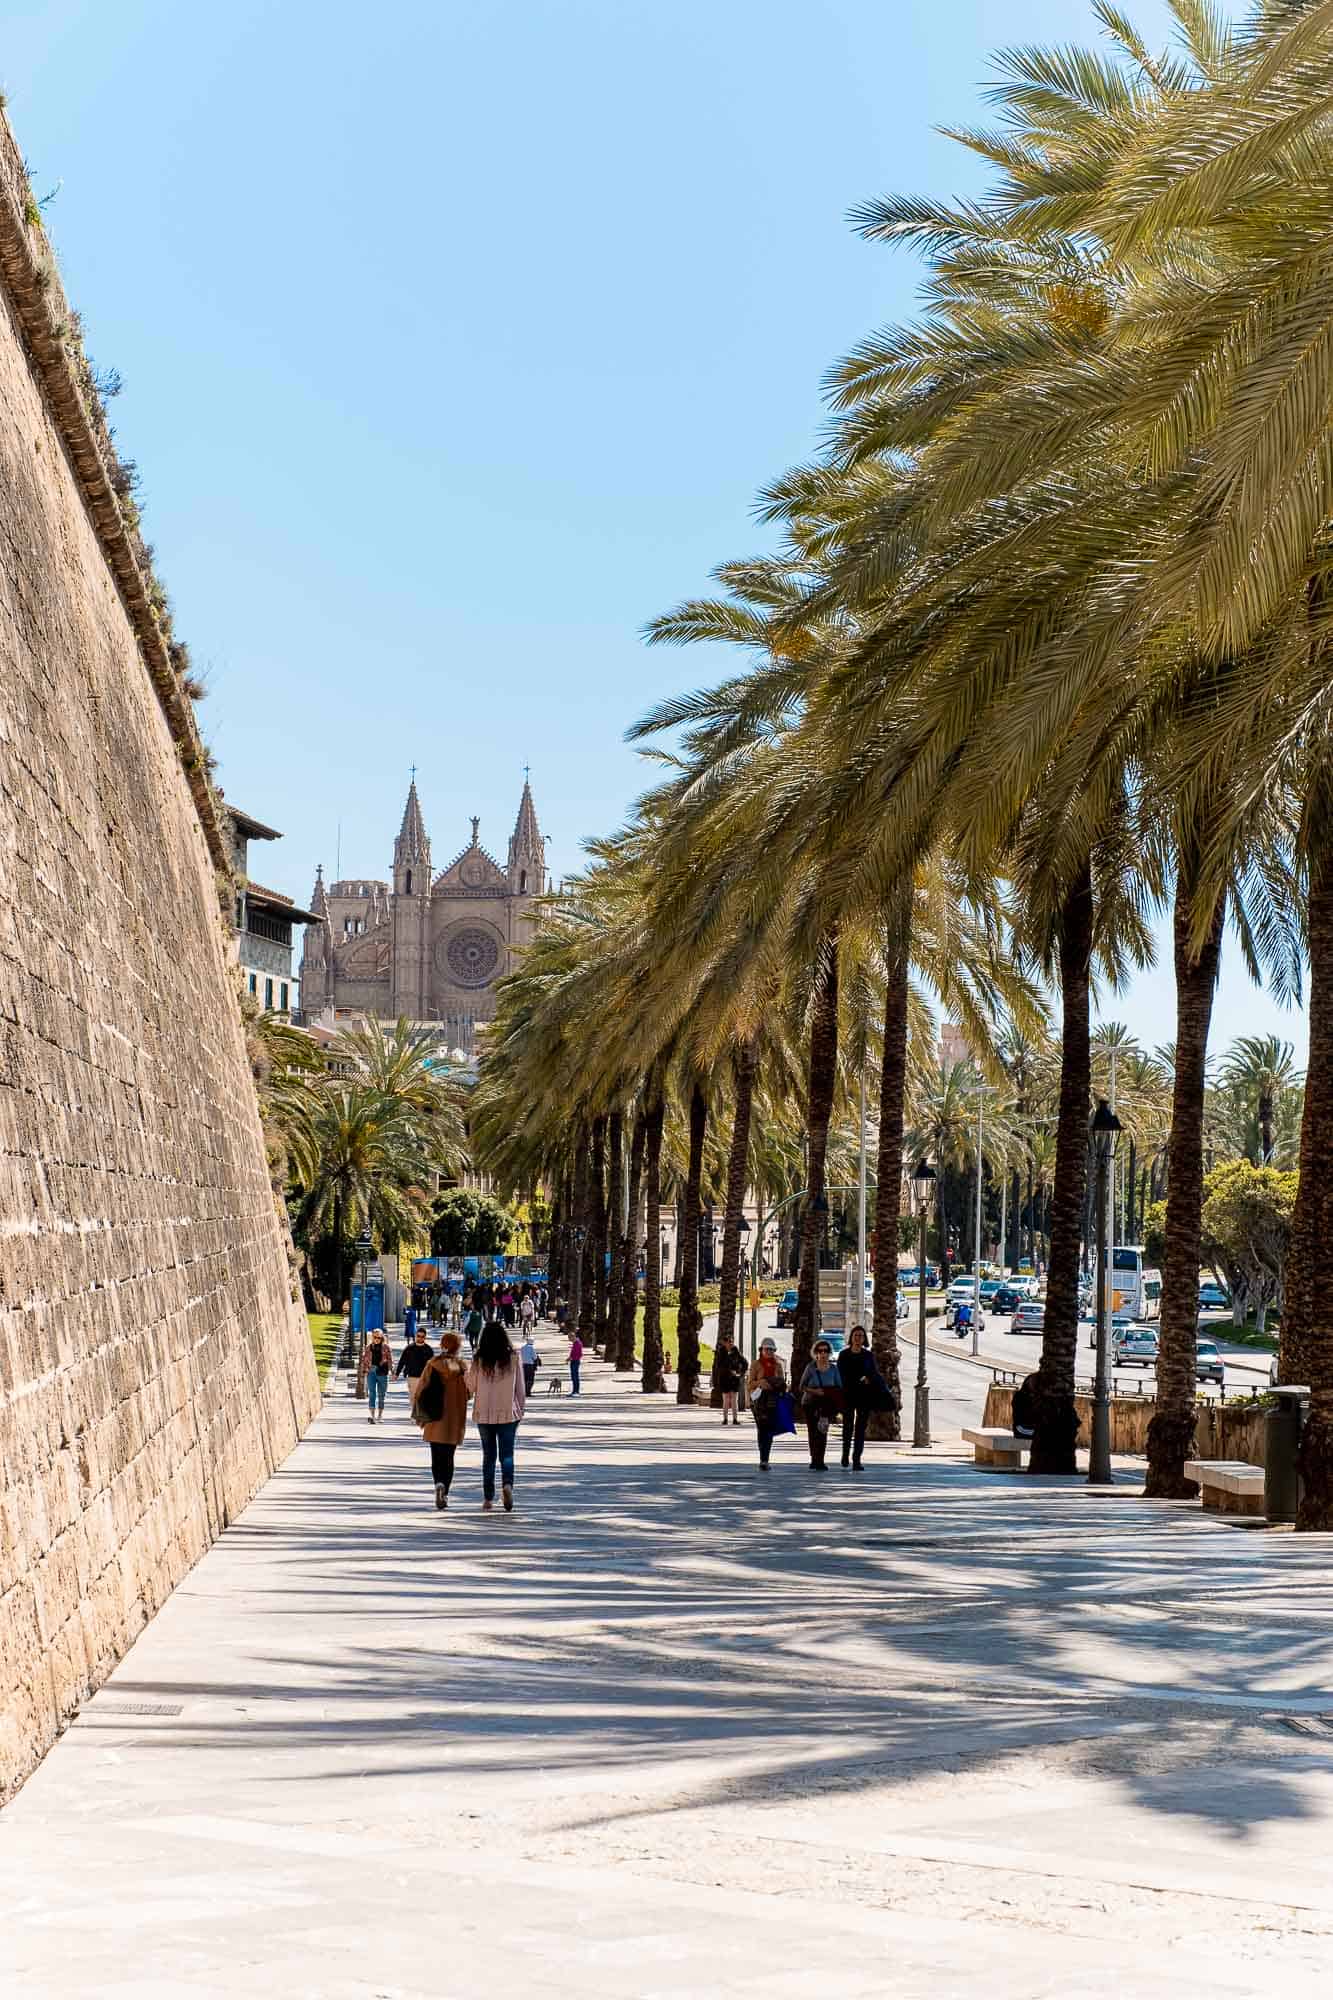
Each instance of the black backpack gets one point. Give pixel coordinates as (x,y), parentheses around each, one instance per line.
(430,1397)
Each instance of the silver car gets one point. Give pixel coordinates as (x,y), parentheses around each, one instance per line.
(1135,1347)
(1029,1318)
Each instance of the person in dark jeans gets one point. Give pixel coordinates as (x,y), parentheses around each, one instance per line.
(767,1380)
(821,1400)
(861,1387)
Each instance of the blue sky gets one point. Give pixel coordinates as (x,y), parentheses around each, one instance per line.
(457,339)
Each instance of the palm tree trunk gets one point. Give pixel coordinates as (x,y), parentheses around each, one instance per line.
(581,1300)
(1171,1432)
(1307,1321)
(819,1110)
(615,1228)
(745,1069)
(598,1231)
(1056,1426)
(652,1380)
(1265,1126)
(629,1264)
(889,1170)
(690,1318)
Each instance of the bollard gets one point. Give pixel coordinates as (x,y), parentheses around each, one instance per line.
(1282,1438)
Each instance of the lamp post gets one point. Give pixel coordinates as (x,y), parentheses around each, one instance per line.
(740,1303)
(1105,1125)
(921,1183)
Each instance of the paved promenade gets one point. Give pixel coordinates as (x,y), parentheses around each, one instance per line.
(678,1729)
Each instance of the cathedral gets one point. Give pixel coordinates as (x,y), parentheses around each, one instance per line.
(430,947)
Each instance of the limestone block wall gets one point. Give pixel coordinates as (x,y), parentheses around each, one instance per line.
(154,1366)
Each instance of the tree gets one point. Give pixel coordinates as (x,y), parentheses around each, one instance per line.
(1247,1220)
(1259,1068)
(468,1224)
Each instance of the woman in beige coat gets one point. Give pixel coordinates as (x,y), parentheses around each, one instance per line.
(442,1386)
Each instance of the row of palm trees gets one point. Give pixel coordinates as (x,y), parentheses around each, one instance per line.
(1041,654)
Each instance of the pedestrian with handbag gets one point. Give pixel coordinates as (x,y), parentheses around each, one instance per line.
(821,1401)
(495,1382)
(863,1390)
(440,1407)
(766,1387)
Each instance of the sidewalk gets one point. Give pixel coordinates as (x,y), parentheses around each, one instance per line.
(677,1728)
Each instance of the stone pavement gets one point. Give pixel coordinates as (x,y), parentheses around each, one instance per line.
(676,1728)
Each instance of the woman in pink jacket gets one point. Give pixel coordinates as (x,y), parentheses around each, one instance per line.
(495,1382)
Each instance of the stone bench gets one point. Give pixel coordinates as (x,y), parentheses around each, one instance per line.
(1228,1485)
(1001,1449)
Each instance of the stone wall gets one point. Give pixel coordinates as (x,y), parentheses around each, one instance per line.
(154,1365)
(1223,1430)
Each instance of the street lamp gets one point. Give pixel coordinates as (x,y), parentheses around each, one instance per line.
(921,1183)
(740,1303)
(1105,1125)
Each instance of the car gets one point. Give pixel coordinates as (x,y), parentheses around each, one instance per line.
(1208,1363)
(1007,1298)
(962,1292)
(1213,1298)
(1134,1347)
(1030,1317)
(786,1314)
(836,1341)
(989,1287)
(904,1307)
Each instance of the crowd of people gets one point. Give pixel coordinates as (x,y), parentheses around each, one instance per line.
(477,1368)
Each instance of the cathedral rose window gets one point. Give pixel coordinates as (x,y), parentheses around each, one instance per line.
(472,956)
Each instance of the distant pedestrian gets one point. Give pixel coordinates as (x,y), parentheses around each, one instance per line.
(575,1363)
(863,1390)
(376,1361)
(441,1410)
(821,1400)
(728,1375)
(766,1385)
(495,1382)
(561,1310)
(412,1363)
(527,1311)
(531,1361)
(473,1325)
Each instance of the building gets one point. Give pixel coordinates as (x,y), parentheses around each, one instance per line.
(263,920)
(425,946)
(954,1047)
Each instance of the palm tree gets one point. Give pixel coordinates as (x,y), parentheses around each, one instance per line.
(1259,1068)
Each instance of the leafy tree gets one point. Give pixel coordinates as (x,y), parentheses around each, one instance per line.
(468,1224)
(1247,1218)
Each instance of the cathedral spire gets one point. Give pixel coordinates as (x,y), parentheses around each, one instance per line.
(412,833)
(319,902)
(527,850)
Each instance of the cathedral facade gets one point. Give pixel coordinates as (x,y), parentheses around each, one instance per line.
(430,947)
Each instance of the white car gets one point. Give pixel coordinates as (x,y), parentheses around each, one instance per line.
(904,1308)
(962,1292)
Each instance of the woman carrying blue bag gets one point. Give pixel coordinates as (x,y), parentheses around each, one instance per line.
(770,1405)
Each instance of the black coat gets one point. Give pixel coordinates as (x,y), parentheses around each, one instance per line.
(729,1366)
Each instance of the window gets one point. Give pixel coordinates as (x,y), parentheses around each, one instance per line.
(254,983)
(522,881)
(284,997)
(268,993)
(409,881)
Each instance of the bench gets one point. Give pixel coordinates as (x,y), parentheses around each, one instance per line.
(998,1448)
(1228,1485)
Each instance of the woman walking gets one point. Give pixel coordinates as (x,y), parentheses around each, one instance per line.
(441,1410)
(821,1400)
(765,1383)
(862,1390)
(376,1361)
(495,1383)
(728,1375)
